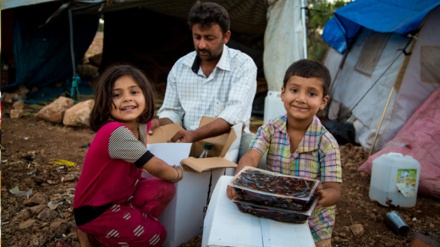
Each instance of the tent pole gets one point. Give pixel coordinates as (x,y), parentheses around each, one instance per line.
(381,120)
(303,17)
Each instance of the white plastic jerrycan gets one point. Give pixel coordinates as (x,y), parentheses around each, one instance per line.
(395,180)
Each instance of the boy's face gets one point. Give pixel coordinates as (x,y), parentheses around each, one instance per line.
(303,97)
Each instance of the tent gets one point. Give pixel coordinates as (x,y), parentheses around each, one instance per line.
(48,36)
(384,64)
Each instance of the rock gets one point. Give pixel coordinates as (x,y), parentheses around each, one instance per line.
(54,112)
(57,223)
(357,229)
(47,214)
(79,114)
(37,209)
(26,224)
(87,71)
(37,199)
(14,113)
(68,178)
(18,105)
(23,215)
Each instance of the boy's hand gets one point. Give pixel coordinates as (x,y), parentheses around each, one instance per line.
(231,192)
(328,194)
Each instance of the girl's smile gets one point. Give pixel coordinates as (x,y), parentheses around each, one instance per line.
(128,100)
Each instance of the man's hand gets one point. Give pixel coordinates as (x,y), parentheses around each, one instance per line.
(154,124)
(158,122)
(186,136)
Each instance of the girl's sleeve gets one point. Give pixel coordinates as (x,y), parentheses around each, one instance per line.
(123,145)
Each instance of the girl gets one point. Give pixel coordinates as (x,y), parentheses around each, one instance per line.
(113,205)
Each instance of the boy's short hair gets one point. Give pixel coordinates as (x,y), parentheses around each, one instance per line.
(309,68)
(207,14)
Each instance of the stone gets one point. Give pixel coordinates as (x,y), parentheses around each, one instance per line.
(37,209)
(47,214)
(23,215)
(54,112)
(26,224)
(79,114)
(357,229)
(37,199)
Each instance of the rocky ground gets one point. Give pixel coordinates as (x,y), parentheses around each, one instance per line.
(41,163)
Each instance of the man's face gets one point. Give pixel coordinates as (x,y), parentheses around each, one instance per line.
(209,41)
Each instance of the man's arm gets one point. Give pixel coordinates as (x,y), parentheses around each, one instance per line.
(215,128)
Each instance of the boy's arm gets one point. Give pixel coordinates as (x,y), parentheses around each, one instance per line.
(329,194)
(250,158)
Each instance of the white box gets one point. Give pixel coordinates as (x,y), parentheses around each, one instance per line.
(225,225)
(273,106)
(183,217)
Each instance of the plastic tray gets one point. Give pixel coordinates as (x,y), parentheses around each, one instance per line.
(266,188)
(276,214)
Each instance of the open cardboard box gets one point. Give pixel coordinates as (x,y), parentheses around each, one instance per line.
(183,218)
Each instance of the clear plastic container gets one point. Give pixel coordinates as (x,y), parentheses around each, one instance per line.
(277,214)
(273,189)
(395,180)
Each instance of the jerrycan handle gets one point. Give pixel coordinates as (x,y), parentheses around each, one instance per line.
(396,154)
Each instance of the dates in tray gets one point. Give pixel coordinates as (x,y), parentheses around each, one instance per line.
(274,190)
(274,213)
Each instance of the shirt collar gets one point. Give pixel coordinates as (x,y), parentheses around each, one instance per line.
(312,137)
(223,63)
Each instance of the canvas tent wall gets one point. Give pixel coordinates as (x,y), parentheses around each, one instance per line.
(280,21)
(384,64)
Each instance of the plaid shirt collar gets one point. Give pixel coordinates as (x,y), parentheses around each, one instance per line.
(311,139)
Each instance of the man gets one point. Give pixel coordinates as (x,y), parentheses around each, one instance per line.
(214,81)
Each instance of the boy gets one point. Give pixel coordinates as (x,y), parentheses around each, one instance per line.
(298,144)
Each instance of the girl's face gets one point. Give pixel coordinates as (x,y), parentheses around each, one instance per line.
(303,97)
(128,100)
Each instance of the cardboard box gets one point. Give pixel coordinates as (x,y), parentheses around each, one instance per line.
(225,225)
(183,218)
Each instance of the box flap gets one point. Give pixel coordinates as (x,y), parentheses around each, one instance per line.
(205,164)
(222,143)
(163,133)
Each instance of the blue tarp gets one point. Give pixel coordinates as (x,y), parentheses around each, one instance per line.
(42,52)
(398,16)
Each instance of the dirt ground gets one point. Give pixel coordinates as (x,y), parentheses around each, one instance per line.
(31,148)
(36,159)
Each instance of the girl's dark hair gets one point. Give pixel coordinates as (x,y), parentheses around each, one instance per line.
(308,68)
(104,90)
(207,14)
